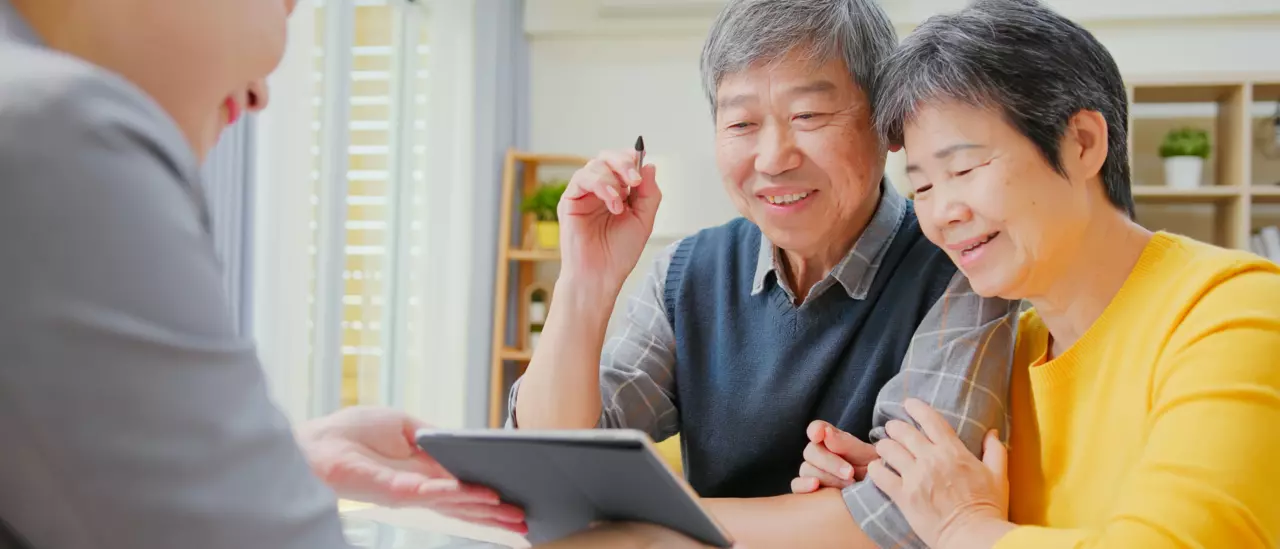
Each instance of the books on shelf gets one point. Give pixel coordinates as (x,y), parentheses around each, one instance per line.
(1267,243)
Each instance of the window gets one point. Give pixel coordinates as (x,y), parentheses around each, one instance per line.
(361,163)
(368,189)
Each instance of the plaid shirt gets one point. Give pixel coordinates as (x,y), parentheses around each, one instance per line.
(958,361)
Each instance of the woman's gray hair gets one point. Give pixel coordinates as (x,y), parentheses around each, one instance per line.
(1021,59)
(751,31)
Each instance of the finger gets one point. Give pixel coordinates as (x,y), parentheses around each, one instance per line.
(479,516)
(502,512)
(646,197)
(994,455)
(908,436)
(595,181)
(623,164)
(817,430)
(817,455)
(824,478)
(852,450)
(885,479)
(804,485)
(932,423)
(895,455)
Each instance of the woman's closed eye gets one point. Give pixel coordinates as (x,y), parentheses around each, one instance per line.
(967,171)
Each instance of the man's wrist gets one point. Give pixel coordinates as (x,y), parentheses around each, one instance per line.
(585,296)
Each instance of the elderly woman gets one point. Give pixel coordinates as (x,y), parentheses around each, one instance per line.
(131,412)
(1145,384)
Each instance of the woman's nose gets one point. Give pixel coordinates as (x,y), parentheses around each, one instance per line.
(259,96)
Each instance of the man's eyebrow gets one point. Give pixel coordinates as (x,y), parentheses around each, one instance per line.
(945,152)
(736,100)
(817,86)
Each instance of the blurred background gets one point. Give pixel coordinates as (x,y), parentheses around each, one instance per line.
(388,223)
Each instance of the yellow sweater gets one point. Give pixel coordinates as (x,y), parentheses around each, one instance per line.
(1160,427)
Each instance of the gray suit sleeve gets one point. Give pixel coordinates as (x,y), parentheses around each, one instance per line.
(131,414)
(959,363)
(637,369)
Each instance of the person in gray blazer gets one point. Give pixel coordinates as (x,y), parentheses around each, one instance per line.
(131,413)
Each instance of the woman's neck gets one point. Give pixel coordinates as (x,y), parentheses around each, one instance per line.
(1086,283)
(86,32)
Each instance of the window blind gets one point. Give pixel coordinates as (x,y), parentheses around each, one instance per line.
(363,277)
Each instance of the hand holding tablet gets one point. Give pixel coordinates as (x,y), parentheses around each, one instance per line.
(567,480)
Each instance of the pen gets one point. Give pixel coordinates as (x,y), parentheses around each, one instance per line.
(639,158)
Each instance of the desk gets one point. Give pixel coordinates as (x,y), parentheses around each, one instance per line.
(369,527)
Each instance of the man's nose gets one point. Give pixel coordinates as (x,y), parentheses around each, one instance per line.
(776,151)
(259,96)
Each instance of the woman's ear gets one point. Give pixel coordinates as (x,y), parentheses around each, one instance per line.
(1085,149)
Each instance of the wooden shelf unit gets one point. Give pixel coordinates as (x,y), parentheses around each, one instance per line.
(512,347)
(1220,212)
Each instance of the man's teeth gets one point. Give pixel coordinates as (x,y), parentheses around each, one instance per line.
(984,241)
(785,199)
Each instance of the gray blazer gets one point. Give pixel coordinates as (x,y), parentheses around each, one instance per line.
(132,416)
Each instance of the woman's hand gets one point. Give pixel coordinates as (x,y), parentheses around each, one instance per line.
(951,499)
(833,458)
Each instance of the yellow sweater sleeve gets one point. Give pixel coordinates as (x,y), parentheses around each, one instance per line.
(1209,475)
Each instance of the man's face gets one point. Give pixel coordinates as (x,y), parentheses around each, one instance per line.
(797,151)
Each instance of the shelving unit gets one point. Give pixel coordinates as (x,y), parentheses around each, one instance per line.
(517,266)
(1222,211)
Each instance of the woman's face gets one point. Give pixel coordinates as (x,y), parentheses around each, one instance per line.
(986,195)
(205,61)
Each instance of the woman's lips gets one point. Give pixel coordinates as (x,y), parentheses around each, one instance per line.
(233,111)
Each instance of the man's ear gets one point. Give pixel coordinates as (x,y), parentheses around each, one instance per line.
(1085,148)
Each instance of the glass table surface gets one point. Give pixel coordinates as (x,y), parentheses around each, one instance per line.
(369,534)
(382,528)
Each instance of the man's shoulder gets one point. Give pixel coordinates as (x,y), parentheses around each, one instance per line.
(49,100)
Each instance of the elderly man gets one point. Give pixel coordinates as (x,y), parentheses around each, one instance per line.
(753,338)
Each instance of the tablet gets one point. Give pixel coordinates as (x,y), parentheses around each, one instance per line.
(567,480)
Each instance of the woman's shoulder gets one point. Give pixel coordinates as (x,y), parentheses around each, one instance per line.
(1033,338)
(1197,273)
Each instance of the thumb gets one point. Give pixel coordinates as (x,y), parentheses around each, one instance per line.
(646,196)
(854,451)
(994,454)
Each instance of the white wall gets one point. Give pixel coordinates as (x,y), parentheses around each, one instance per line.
(604,71)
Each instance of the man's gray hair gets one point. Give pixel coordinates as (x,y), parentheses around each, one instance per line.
(1021,59)
(751,31)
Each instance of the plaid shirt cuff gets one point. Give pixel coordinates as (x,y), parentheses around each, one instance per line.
(876,514)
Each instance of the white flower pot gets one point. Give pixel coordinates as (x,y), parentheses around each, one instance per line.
(537,312)
(1183,172)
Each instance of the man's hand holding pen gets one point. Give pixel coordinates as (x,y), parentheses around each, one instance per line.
(606,216)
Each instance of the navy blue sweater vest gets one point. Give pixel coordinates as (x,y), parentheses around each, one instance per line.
(753,371)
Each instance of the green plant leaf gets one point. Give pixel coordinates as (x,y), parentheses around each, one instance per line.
(1186,142)
(543,200)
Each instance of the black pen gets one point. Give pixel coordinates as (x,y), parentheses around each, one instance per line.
(639,160)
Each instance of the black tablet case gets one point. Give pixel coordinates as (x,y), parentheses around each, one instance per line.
(566,485)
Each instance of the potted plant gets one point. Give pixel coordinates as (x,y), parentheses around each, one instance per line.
(1184,151)
(542,204)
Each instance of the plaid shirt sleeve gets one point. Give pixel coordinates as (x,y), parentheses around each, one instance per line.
(959,362)
(637,367)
